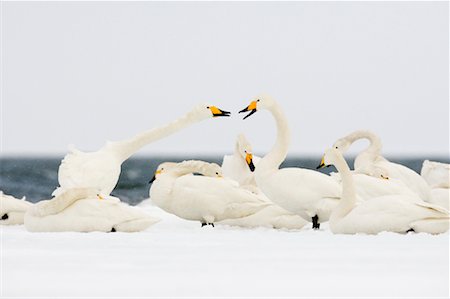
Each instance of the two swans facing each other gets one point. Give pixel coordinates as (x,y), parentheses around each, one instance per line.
(12,210)
(209,198)
(101,169)
(391,213)
(83,210)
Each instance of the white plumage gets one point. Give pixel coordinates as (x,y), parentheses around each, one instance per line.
(208,198)
(371,162)
(239,168)
(101,169)
(391,213)
(12,210)
(81,210)
(305,192)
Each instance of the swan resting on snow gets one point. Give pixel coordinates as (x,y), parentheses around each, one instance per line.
(101,169)
(12,210)
(83,210)
(437,176)
(209,198)
(391,213)
(371,162)
(240,167)
(304,192)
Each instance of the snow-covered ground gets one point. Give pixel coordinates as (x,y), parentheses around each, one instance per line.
(179,258)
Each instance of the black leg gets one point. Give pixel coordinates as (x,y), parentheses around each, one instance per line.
(212,224)
(5,216)
(203,224)
(113,230)
(411,230)
(315,221)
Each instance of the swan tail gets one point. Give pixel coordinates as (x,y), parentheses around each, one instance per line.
(136,225)
(431,226)
(288,222)
(61,201)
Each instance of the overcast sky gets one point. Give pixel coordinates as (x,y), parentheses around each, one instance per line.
(83,73)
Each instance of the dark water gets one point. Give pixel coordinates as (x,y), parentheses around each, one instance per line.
(36,178)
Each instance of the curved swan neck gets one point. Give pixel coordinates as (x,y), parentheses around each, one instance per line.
(130,146)
(375,141)
(191,166)
(276,156)
(348,198)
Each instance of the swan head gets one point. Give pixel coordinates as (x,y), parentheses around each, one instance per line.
(244,149)
(163,167)
(258,103)
(329,158)
(204,168)
(205,111)
(342,145)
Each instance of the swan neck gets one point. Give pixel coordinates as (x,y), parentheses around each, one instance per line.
(374,141)
(348,198)
(278,153)
(127,148)
(191,166)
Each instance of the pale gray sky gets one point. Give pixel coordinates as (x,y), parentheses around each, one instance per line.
(82,73)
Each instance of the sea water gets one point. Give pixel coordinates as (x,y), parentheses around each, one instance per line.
(36,178)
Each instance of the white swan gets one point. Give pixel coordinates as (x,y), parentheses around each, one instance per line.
(388,213)
(81,210)
(241,164)
(208,199)
(240,167)
(436,174)
(368,187)
(12,210)
(371,162)
(305,192)
(101,169)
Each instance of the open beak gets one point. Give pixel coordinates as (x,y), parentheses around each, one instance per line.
(218,112)
(251,108)
(249,160)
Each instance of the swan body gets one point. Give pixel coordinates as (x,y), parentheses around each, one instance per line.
(436,174)
(440,197)
(81,210)
(12,210)
(368,187)
(391,213)
(371,162)
(240,167)
(307,193)
(101,169)
(208,198)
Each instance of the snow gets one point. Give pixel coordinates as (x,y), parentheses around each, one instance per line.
(179,258)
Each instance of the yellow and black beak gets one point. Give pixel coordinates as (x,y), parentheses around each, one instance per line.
(218,112)
(249,160)
(251,108)
(322,163)
(154,176)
